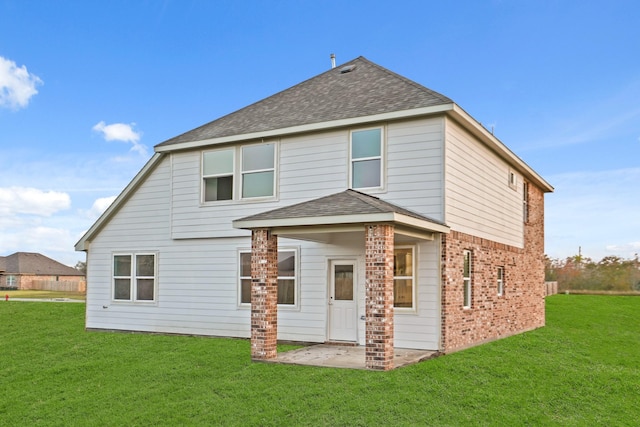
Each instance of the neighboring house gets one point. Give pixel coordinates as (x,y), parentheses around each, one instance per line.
(355,207)
(27,270)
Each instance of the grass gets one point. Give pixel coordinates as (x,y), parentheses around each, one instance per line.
(33,294)
(582,369)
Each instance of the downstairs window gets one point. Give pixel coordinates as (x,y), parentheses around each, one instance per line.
(134,277)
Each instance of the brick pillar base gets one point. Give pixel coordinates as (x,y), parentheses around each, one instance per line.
(379,296)
(264,295)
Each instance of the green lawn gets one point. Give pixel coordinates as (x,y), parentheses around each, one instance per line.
(582,369)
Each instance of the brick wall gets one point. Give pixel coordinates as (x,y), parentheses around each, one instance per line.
(379,296)
(264,295)
(521,306)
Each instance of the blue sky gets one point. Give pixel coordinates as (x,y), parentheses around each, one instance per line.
(88,88)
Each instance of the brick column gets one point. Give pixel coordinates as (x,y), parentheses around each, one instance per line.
(264,295)
(379,296)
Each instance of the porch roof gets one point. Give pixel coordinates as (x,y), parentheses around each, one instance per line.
(342,211)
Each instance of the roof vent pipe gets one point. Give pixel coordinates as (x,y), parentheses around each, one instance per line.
(333,60)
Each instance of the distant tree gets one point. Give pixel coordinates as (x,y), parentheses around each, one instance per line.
(81,266)
(611,273)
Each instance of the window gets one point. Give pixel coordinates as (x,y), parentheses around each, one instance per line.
(525,202)
(11,282)
(366,158)
(134,277)
(466,279)
(258,170)
(286,277)
(500,281)
(513,180)
(217,175)
(403,277)
(220,176)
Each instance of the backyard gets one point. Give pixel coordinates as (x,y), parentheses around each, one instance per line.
(583,368)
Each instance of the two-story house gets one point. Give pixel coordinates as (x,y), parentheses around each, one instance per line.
(357,206)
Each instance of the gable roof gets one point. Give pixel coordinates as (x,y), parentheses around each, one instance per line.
(37,264)
(346,207)
(368,93)
(366,90)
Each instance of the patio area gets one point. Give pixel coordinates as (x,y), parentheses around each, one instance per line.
(345,356)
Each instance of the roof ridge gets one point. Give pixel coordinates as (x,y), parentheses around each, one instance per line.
(407,80)
(246,107)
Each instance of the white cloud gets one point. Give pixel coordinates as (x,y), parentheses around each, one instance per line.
(17,85)
(21,200)
(117,132)
(99,206)
(122,132)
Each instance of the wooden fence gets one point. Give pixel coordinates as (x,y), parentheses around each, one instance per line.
(62,285)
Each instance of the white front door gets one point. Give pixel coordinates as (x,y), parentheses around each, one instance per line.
(343,313)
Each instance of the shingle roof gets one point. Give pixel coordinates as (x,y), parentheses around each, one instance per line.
(333,95)
(348,202)
(34,263)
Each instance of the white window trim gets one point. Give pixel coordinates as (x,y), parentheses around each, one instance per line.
(525,202)
(11,281)
(382,158)
(513,180)
(414,283)
(500,281)
(296,277)
(238,176)
(467,289)
(133,277)
(242,172)
(203,176)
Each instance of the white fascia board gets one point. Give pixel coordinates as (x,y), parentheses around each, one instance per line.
(314,220)
(498,146)
(83,243)
(420,223)
(308,127)
(387,217)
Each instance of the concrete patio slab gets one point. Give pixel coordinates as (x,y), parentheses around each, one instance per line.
(351,357)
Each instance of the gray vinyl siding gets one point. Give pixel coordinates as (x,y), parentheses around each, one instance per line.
(197,248)
(414,166)
(479,200)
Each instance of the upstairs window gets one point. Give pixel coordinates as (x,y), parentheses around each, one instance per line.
(258,171)
(525,202)
(217,175)
(366,158)
(134,277)
(242,172)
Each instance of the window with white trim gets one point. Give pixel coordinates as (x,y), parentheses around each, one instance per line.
(525,202)
(466,278)
(12,282)
(217,174)
(500,280)
(513,180)
(403,277)
(134,277)
(287,277)
(258,170)
(366,158)
(241,172)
